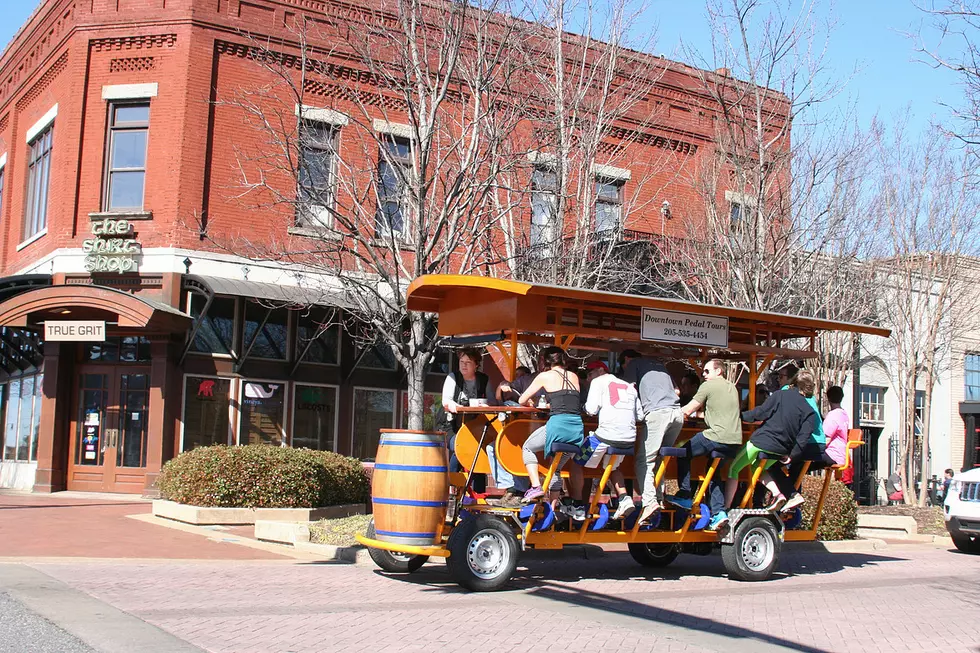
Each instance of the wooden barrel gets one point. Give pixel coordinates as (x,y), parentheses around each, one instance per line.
(410,488)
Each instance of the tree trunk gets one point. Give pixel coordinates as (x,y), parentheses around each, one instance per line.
(415,371)
(924,454)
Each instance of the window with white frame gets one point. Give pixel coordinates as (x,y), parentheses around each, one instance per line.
(608,205)
(374,409)
(317,169)
(394,175)
(125,174)
(872,408)
(432,411)
(38,181)
(544,205)
(971,376)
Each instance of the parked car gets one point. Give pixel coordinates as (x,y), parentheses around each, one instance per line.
(961,510)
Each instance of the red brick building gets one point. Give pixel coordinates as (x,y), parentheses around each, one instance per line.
(115,152)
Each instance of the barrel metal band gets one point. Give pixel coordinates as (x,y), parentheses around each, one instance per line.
(403,534)
(402,443)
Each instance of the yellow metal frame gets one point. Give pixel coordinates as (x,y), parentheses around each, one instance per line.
(439,551)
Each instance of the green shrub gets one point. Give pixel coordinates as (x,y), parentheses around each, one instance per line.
(262,476)
(838,520)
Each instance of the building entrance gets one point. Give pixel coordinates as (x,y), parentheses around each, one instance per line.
(110,415)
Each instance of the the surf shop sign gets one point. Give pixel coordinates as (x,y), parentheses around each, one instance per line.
(113,247)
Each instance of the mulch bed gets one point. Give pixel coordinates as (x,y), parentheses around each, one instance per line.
(929,520)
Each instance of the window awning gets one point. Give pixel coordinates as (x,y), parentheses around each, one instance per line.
(30,309)
(268,292)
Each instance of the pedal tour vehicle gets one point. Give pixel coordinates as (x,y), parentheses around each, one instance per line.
(423,510)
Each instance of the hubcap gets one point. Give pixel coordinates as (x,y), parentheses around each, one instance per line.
(401,557)
(487,554)
(757,549)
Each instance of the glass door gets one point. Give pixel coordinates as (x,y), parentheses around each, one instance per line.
(109,430)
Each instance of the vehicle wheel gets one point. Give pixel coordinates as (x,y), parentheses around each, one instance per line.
(483,553)
(396,563)
(755,551)
(966,543)
(654,555)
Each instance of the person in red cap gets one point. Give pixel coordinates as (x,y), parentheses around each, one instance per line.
(618,407)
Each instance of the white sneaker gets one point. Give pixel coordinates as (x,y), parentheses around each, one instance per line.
(625,509)
(794,501)
(648,512)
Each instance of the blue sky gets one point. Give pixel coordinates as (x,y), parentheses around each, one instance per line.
(869,35)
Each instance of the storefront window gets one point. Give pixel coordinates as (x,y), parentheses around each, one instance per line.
(373,410)
(22,418)
(262,413)
(432,410)
(378,357)
(314,417)
(206,403)
(216,333)
(316,326)
(269,337)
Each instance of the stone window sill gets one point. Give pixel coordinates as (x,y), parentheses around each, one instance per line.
(121,215)
(314,232)
(30,240)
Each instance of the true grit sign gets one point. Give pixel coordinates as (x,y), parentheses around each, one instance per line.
(112,248)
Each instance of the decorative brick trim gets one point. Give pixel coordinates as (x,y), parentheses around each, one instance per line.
(131,64)
(49,75)
(117,43)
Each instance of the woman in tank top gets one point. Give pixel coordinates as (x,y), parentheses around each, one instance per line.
(564,421)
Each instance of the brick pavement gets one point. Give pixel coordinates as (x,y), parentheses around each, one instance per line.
(905,598)
(56,525)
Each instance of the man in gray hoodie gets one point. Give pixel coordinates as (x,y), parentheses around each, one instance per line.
(663,418)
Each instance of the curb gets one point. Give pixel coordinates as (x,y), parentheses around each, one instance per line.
(838,546)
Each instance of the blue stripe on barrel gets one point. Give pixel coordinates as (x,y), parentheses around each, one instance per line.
(410,502)
(401,443)
(411,468)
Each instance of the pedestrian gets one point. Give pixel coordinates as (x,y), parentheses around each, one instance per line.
(893,487)
(662,417)
(947,479)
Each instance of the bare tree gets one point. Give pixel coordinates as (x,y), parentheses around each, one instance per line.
(955,48)
(926,212)
(593,149)
(380,146)
(780,223)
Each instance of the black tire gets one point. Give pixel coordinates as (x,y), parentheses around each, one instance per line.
(483,552)
(396,563)
(966,543)
(755,552)
(654,555)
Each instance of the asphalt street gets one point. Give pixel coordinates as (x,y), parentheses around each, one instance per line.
(22,630)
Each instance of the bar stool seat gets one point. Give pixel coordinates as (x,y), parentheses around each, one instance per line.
(721,454)
(619,451)
(676,452)
(564,447)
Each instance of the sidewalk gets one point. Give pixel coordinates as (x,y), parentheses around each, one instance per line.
(76,525)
